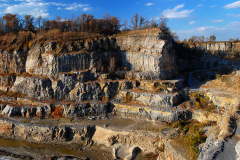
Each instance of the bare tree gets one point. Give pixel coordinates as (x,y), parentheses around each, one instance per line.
(11,22)
(134,21)
(153,23)
(163,24)
(165,31)
(29,23)
(195,39)
(39,21)
(82,21)
(2,26)
(125,25)
(142,21)
(201,38)
(212,38)
(146,25)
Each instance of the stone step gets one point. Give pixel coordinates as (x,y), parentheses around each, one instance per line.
(132,75)
(152,99)
(80,76)
(14,110)
(149,113)
(67,87)
(161,86)
(94,90)
(56,110)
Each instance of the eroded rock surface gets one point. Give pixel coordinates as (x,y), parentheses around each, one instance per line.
(135,76)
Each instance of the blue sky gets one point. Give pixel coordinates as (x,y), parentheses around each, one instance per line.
(185,17)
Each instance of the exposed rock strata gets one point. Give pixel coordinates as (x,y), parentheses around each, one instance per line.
(153,99)
(45,134)
(147,53)
(150,113)
(100,78)
(146,142)
(39,88)
(218,47)
(13,61)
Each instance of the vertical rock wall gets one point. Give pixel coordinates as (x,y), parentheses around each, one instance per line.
(217,47)
(148,53)
(12,61)
(207,55)
(140,52)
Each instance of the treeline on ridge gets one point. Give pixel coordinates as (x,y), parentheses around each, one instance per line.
(21,32)
(84,23)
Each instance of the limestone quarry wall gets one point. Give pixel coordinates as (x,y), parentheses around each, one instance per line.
(12,61)
(45,134)
(207,55)
(138,52)
(203,61)
(42,62)
(148,53)
(218,47)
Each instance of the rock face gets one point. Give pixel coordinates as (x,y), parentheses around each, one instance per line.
(153,99)
(237,149)
(150,113)
(34,87)
(206,55)
(222,100)
(148,53)
(211,148)
(85,71)
(11,111)
(142,53)
(12,61)
(203,116)
(126,76)
(65,134)
(43,63)
(6,81)
(45,134)
(171,151)
(218,47)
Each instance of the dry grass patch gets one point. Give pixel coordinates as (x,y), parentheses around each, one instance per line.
(127,98)
(7,74)
(149,126)
(228,83)
(152,31)
(202,102)
(57,113)
(192,135)
(12,94)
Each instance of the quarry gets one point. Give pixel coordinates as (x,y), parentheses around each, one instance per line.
(127,96)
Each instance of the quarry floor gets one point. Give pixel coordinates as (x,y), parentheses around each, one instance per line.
(13,149)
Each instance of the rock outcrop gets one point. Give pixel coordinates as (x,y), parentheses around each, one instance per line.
(224,47)
(116,140)
(86,71)
(148,53)
(131,77)
(13,61)
(46,134)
